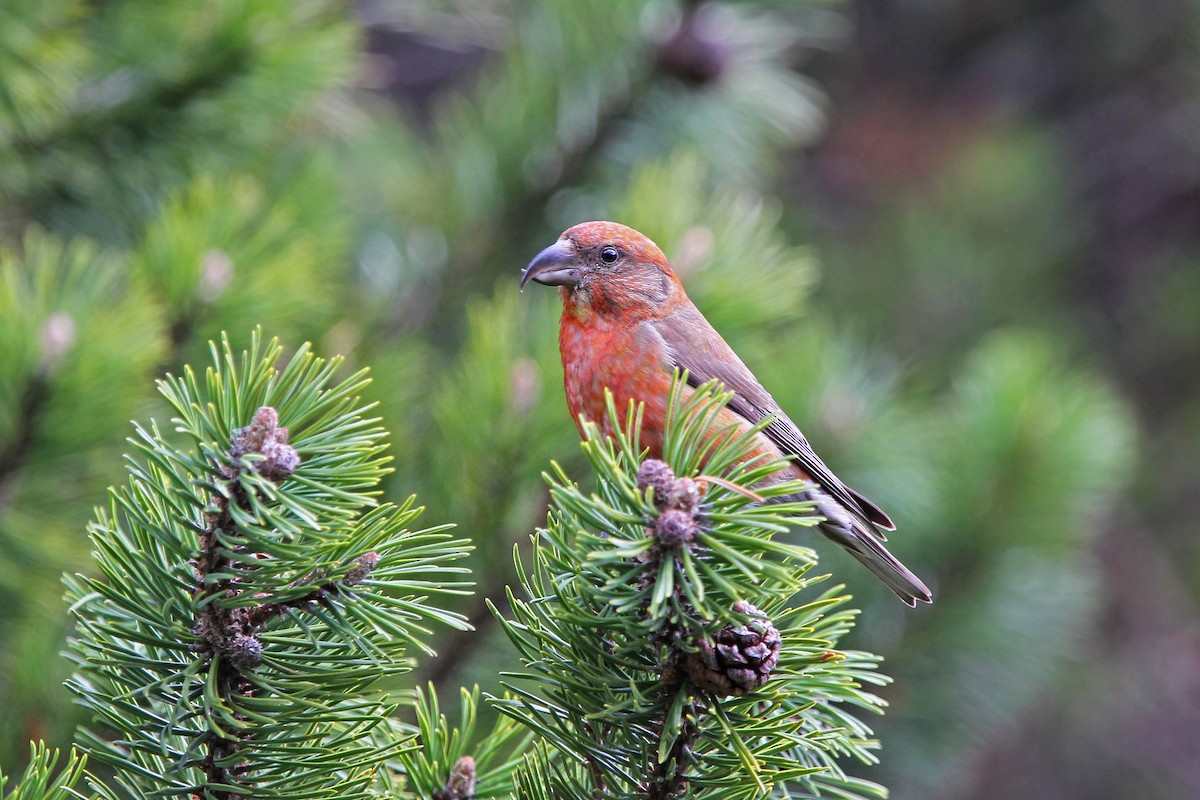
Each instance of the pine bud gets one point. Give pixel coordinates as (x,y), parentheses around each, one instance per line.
(524,383)
(216,271)
(245,651)
(359,572)
(675,528)
(264,436)
(461,783)
(656,475)
(279,460)
(683,494)
(58,337)
(739,659)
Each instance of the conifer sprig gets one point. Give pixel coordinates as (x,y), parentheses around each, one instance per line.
(669,643)
(455,762)
(252,592)
(39,781)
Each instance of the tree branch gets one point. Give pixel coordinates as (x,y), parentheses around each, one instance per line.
(14,453)
(229,635)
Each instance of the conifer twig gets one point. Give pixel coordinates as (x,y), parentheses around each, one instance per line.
(650,630)
(224,639)
(229,634)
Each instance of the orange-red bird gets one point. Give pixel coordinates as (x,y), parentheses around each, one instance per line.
(627,325)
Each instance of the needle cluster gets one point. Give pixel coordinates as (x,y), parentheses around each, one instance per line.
(252,594)
(672,645)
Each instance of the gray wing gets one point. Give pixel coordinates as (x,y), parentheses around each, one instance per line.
(707,357)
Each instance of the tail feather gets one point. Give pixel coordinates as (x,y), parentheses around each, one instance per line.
(875,557)
(860,537)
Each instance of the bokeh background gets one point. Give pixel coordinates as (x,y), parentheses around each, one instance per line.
(959,240)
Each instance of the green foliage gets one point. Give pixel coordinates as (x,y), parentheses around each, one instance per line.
(62,307)
(575,101)
(224,254)
(723,240)
(68,378)
(39,781)
(491,409)
(141,97)
(609,617)
(744,115)
(456,182)
(1049,448)
(247,607)
(157,184)
(441,747)
(171,170)
(997,486)
(952,250)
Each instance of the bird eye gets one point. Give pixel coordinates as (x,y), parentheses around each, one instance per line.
(610,254)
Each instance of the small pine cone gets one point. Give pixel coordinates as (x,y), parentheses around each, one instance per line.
(739,659)
(461,783)
(245,651)
(675,528)
(683,494)
(359,572)
(656,475)
(279,460)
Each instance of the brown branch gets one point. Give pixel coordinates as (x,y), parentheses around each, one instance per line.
(32,402)
(668,778)
(229,636)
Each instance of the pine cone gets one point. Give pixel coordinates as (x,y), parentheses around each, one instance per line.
(461,783)
(739,659)
(264,436)
(655,474)
(675,528)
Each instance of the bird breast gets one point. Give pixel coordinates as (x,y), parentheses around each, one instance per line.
(631,361)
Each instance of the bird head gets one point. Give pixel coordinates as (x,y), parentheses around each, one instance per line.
(606,268)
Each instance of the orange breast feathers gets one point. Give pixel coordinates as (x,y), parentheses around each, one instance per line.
(633,363)
(629,360)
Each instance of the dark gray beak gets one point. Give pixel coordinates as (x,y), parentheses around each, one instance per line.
(557,265)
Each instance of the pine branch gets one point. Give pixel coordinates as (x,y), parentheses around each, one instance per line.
(139,115)
(56,301)
(56,335)
(521,215)
(253,593)
(39,782)
(687,54)
(230,634)
(457,762)
(666,655)
(29,408)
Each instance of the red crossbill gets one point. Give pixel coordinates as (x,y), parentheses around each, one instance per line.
(627,325)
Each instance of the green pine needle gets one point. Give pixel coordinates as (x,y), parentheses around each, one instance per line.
(599,593)
(340,585)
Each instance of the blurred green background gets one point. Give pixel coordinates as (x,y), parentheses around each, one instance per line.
(959,241)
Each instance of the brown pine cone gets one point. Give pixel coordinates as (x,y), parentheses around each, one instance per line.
(461,783)
(655,474)
(739,659)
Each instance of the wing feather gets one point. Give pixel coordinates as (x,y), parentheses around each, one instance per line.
(706,356)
